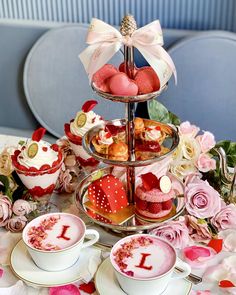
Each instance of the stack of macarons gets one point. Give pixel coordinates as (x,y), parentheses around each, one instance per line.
(115,81)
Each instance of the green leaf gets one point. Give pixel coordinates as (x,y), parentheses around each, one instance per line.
(174,119)
(158,112)
(230,150)
(5,181)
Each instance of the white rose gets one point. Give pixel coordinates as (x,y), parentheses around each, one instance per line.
(190,147)
(182,168)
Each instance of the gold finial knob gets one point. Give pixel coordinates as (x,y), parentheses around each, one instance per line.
(128,25)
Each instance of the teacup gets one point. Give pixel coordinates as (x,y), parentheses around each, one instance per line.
(55,240)
(144,264)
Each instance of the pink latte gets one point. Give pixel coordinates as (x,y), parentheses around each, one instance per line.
(143,257)
(54,232)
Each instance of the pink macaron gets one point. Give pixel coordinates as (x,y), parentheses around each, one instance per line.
(120,84)
(147,80)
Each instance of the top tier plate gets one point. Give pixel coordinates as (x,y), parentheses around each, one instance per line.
(168,145)
(128,99)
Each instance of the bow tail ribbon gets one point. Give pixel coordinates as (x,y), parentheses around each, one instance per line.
(160,61)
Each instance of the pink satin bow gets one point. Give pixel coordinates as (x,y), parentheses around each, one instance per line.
(104,41)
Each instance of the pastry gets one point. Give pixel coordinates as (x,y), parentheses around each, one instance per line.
(118,151)
(153,198)
(102,141)
(139,126)
(38,164)
(75,130)
(108,194)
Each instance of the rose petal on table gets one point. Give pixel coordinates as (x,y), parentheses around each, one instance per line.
(88,288)
(216,244)
(226,284)
(197,255)
(64,290)
(1,272)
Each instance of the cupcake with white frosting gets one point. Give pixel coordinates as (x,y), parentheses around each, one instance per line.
(76,129)
(38,164)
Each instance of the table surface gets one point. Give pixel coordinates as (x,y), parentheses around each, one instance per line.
(65,203)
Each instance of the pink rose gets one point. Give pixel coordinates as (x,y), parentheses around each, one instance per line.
(16,223)
(21,207)
(192,177)
(5,209)
(205,163)
(175,232)
(188,129)
(206,141)
(201,199)
(225,218)
(67,181)
(198,229)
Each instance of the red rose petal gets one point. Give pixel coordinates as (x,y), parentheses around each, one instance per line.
(1,272)
(89,105)
(64,290)
(88,288)
(226,284)
(149,181)
(216,244)
(38,134)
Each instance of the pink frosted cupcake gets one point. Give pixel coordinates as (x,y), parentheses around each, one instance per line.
(153,198)
(75,130)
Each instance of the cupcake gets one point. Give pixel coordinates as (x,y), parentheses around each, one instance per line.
(38,164)
(153,197)
(75,130)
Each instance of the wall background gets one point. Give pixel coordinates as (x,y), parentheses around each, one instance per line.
(180,14)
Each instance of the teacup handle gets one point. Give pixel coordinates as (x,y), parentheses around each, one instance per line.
(185,267)
(93,240)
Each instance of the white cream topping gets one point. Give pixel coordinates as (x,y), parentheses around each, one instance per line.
(92,120)
(104,137)
(152,133)
(44,156)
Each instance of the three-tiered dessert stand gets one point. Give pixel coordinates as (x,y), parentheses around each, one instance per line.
(133,223)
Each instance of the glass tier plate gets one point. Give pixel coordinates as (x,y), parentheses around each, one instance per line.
(168,146)
(131,221)
(128,99)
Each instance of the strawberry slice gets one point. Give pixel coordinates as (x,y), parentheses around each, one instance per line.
(226,284)
(149,181)
(38,134)
(216,244)
(89,105)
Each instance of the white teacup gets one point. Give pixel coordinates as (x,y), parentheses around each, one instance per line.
(144,264)
(55,240)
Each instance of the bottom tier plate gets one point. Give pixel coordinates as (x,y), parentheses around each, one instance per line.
(125,221)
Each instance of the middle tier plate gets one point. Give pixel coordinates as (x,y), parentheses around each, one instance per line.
(146,151)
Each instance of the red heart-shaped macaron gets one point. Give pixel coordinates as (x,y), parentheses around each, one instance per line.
(147,80)
(122,68)
(120,84)
(105,72)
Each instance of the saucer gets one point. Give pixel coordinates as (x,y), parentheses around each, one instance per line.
(106,281)
(25,269)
